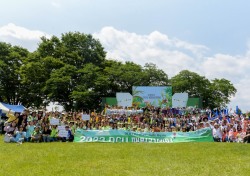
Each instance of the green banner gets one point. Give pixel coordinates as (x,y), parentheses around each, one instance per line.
(202,135)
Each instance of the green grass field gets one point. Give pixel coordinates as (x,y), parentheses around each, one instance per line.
(124,159)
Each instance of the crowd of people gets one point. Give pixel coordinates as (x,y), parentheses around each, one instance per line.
(41,126)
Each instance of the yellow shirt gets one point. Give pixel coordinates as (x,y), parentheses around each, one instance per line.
(12,118)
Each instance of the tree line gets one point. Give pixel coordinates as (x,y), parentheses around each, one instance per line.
(74,71)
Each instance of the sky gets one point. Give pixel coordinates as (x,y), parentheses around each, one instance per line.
(211,38)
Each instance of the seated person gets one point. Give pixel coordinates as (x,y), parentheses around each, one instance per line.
(29,130)
(54,133)
(70,136)
(36,135)
(246,139)
(10,130)
(19,136)
(46,134)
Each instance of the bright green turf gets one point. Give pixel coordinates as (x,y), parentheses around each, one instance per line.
(124,159)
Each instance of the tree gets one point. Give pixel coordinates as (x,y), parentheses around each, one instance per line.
(66,60)
(60,85)
(91,86)
(221,91)
(191,83)
(214,94)
(34,73)
(11,58)
(74,48)
(154,76)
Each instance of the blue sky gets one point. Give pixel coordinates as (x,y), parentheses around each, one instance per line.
(209,37)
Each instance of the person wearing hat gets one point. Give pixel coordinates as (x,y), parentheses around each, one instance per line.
(217,133)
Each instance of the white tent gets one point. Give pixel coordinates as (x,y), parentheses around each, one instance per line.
(3,108)
(14,108)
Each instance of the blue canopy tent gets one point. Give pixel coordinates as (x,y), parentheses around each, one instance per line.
(14,108)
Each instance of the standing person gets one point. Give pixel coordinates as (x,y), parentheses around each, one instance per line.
(23,118)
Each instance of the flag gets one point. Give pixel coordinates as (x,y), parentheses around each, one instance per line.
(237,109)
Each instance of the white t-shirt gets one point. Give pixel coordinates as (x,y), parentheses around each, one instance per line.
(217,133)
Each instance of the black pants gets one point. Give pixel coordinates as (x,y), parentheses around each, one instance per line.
(217,139)
(71,139)
(246,139)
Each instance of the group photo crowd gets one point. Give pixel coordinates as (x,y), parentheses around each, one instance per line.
(42,126)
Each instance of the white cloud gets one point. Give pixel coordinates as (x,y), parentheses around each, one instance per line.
(170,55)
(226,66)
(56,4)
(17,35)
(173,55)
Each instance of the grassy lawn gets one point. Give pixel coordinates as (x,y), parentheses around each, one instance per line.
(124,159)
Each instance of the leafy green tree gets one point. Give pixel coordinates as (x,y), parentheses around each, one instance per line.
(34,73)
(91,85)
(65,62)
(11,59)
(154,76)
(73,48)
(60,85)
(214,94)
(220,91)
(191,83)
(123,76)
